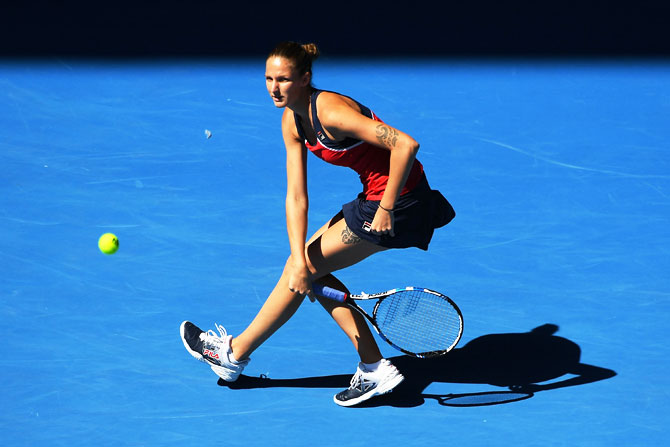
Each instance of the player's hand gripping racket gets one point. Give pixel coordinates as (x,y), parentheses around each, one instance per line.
(416,321)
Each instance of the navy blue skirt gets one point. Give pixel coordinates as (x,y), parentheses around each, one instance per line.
(417,214)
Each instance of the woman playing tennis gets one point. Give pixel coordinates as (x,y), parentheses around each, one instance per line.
(397,209)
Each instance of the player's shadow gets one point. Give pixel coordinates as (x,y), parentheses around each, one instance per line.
(520,364)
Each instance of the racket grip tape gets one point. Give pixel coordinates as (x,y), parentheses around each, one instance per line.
(329,292)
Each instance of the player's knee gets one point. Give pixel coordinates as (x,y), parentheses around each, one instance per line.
(310,266)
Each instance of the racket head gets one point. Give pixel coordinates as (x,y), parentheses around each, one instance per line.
(418,322)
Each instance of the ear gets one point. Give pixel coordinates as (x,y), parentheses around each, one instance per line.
(306,79)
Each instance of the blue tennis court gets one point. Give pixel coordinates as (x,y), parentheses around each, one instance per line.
(559,254)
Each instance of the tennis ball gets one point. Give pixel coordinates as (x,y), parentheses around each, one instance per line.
(108,243)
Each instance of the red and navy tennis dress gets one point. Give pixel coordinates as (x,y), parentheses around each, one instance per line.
(418,210)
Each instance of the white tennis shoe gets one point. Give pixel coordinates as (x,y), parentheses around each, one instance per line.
(212,349)
(365,385)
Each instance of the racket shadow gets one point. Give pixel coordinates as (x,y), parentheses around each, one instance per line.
(522,364)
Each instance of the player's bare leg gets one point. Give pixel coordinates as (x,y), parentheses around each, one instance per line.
(351,322)
(331,248)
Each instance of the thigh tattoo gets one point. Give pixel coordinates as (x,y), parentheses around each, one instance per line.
(348,237)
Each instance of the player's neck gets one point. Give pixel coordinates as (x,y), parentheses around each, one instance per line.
(302,105)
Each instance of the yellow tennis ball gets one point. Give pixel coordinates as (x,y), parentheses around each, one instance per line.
(108,243)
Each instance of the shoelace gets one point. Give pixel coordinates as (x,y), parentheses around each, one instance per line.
(211,337)
(358,381)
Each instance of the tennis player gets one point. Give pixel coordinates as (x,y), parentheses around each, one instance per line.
(397,209)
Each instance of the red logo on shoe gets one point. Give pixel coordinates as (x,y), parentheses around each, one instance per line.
(210,354)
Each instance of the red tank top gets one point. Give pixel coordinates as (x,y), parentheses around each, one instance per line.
(371,162)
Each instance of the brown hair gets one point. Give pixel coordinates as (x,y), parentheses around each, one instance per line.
(300,55)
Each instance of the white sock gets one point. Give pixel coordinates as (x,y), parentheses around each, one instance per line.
(232,358)
(371,367)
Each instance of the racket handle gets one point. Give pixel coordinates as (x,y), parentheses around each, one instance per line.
(329,292)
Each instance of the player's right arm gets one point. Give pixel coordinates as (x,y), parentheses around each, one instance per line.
(297,204)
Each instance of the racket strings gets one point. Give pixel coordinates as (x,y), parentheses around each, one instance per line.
(419,321)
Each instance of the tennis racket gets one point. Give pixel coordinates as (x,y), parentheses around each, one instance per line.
(416,321)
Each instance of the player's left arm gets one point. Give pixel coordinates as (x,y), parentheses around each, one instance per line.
(342,120)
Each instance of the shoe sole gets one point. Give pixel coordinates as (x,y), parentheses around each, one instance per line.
(387,388)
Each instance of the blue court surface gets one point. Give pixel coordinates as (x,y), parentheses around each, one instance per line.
(559,255)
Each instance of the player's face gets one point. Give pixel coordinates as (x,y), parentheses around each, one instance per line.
(283,82)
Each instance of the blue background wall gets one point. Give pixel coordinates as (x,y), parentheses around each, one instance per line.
(221,28)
